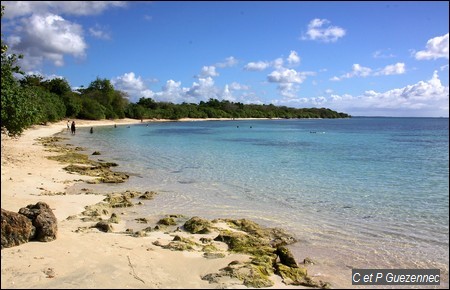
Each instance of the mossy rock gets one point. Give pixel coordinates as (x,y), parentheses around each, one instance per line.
(167,221)
(71,157)
(96,210)
(181,244)
(114,177)
(250,275)
(197,225)
(209,248)
(243,243)
(286,257)
(294,276)
(274,236)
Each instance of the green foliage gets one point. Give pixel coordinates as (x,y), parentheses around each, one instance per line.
(73,104)
(91,110)
(58,86)
(148,108)
(18,111)
(18,108)
(51,106)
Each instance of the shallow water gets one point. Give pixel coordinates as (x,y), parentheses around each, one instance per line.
(357,193)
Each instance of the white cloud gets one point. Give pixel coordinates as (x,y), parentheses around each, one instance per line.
(15,9)
(40,33)
(425,98)
(318,29)
(278,63)
(128,82)
(382,54)
(361,71)
(171,92)
(99,32)
(256,66)
(293,58)
(227,95)
(47,37)
(133,86)
(287,79)
(286,76)
(238,87)
(422,99)
(357,71)
(208,71)
(203,90)
(174,92)
(436,48)
(288,90)
(335,79)
(393,69)
(229,62)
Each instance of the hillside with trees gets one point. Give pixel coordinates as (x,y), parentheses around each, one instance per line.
(30,99)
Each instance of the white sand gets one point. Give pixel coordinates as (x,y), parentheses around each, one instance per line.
(90,259)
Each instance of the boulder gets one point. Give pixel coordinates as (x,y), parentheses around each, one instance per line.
(16,229)
(43,219)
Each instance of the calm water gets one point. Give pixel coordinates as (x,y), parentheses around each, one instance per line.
(357,193)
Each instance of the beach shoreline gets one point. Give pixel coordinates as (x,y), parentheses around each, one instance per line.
(87,259)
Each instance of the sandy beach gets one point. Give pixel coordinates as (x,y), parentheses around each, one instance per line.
(90,258)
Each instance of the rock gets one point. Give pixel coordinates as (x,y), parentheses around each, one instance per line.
(243,243)
(167,221)
(197,225)
(294,276)
(43,219)
(104,226)
(286,257)
(114,218)
(16,229)
(308,261)
(251,275)
(118,200)
(148,195)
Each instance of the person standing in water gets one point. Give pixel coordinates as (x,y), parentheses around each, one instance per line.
(72,128)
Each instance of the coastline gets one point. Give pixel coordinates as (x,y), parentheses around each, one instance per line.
(89,259)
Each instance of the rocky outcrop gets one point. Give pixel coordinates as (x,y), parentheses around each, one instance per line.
(43,219)
(16,229)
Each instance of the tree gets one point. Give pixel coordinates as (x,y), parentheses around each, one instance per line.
(18,110)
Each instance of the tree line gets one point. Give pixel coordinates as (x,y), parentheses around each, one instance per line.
(213,108)
(30,99)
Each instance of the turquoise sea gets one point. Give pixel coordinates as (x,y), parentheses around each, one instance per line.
(357,193)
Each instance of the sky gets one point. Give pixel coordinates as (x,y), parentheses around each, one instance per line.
(380,58)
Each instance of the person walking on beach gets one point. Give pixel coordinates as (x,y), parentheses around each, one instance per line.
(68,125)
(73,128)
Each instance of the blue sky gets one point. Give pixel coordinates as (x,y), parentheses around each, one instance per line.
(362,58)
